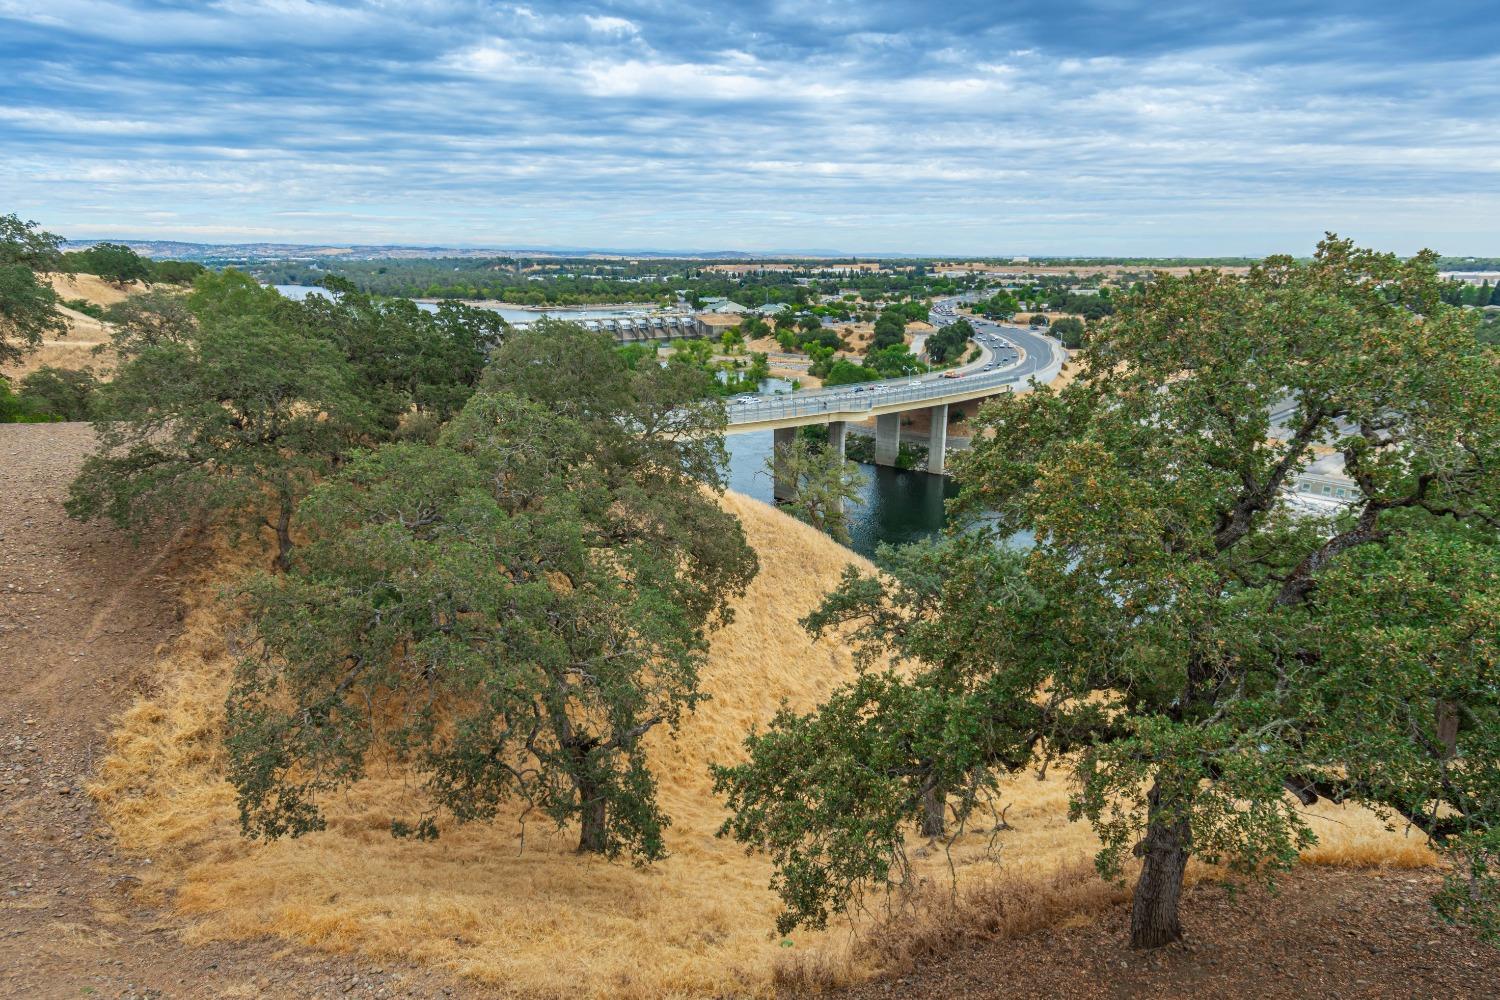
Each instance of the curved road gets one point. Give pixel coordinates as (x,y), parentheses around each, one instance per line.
(1010,358)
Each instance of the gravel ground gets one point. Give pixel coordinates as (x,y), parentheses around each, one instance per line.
(82,613)
(1325,932)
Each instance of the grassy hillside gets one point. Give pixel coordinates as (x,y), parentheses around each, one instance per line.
(85,333)
(512,905)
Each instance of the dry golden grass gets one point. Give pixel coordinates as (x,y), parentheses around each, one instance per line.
(1067,373)
(93,288)
(70,354)
(547,922)
(76,350)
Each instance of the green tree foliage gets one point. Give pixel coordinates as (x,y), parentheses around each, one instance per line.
(754,327)
(233,415)
(1212,659)
(231,401)
(893,362)
(60,393)
(1069,330)
(890,329)
(637,355)
(156,318)
(28,306)
(829,794)
(948,343)
(759,370)
(1489,328)
(176,272)
(842,371)
(86,307)
(821,482)
(16,409)
(506,613)
(1001,305)
(111,261)
(405,356)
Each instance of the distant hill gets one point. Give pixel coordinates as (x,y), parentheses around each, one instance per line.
(233,252)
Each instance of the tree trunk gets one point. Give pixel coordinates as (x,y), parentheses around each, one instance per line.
(591,810)
(283,528)
(1154,919)
(934,812)
(1447,727)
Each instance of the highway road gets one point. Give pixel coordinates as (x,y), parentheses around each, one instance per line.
(1010,358)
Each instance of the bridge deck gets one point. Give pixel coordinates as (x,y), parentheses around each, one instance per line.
(820,406)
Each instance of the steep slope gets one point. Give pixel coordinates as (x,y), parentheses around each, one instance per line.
(511,904)
(84,616)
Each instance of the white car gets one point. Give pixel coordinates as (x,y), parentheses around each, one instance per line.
(915,382)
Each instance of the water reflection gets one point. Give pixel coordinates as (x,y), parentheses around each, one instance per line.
(899,506)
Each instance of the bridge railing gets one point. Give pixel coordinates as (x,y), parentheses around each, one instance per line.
(843,399)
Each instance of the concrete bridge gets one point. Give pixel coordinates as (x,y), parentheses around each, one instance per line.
(1038,360)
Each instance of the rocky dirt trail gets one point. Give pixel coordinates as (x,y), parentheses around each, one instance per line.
(83,613)
(1325,932)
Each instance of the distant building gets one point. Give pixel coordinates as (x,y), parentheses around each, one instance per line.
(744,269)
(868,267)
(722,305)
(1471,277)
(1325,480)
(714,324)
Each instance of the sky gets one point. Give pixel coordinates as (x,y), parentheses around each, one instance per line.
(1047,128)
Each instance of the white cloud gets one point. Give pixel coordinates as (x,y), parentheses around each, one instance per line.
(613,123)
(610,25)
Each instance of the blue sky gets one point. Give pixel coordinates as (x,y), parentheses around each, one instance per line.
(1107,127)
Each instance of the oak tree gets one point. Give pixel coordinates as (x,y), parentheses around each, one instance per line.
(1216,651)
(821,484)
(28,306)
(505,613)
(231,414)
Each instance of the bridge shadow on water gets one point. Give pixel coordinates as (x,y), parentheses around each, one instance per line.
(899,506)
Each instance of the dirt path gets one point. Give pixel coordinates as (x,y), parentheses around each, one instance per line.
(82,613)
(1326,933)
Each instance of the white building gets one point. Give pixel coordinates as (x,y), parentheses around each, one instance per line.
(1324,481)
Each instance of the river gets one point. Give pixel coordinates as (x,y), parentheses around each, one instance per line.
(898,506)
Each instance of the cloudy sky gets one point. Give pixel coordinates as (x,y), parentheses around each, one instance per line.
(1102,127)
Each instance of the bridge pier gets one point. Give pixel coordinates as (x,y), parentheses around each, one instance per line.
(836,433)
(782,488)
(887,438)
(837,430)
(937,438)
